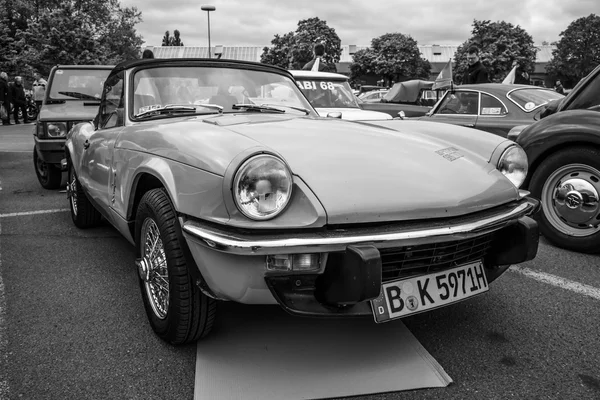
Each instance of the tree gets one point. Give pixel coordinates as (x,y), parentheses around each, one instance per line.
(68,32)
(500,43)
(394,56)
(577,52)
(294,49)
(174,40)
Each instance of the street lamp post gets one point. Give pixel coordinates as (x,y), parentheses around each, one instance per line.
(208,9)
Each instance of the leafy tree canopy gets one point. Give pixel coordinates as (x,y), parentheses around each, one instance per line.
(294,49)
(174,40)
(500,44)
(577,52)
(394,56)
(37,34)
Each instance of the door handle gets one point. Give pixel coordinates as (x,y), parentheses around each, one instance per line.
(469,125)
(86,144)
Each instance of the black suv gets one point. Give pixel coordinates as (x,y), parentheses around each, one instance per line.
(72,96)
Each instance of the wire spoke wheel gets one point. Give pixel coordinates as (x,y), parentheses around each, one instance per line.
(156,275)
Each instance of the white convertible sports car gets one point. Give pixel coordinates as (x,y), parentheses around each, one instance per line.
(331,93)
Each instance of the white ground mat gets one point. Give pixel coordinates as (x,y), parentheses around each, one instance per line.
(261,352)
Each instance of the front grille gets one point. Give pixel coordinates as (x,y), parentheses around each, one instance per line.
(409,261)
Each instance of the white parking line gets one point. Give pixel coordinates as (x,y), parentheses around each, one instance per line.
(20,214)
(557,281)
(4,389)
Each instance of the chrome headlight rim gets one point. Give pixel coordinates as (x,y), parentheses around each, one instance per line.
(62,132)
(241,172)
(515,169)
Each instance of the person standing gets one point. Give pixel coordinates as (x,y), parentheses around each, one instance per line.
(476,73)
(559,88)
(317,63)
(5,97)
(19,100)
(39,89)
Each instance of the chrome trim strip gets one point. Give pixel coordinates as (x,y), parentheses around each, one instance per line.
(258,244)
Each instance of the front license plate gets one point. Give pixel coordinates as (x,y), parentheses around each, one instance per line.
(414,295)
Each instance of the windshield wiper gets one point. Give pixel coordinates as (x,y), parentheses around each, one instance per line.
(256,107)
(176,108)
(304,110)
(78,95)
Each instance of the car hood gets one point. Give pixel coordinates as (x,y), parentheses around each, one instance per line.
(360,172)
(354,114)
(70,110)
(364,173)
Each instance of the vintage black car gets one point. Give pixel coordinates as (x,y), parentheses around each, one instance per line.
(491,107)
(563,149)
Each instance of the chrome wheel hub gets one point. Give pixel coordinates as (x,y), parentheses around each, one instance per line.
(571,202)
(152,268)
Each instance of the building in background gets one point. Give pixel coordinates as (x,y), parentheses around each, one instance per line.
(437,55)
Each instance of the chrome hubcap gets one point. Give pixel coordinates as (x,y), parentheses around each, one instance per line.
(152,268)
(571,200)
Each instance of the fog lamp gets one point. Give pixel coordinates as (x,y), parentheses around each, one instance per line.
(294,262)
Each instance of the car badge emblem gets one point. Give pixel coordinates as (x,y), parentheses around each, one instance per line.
(450,153)
(573,199)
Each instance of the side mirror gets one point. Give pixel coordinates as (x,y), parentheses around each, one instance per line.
(401,114)
(336,114)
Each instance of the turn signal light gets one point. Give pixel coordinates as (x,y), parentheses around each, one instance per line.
(294,262)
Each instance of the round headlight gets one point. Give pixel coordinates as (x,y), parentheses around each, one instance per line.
(262,187)
(513,164)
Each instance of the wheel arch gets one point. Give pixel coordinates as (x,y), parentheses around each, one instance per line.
(143,182)
(555,148)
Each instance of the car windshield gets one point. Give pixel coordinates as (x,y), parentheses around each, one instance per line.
(77,84)
(327,93)
(165,86)
(530,99)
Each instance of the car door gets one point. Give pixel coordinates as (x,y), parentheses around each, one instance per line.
(458,107)
(98,149)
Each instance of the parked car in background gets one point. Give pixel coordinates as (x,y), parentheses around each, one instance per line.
(410,97)
(373,96)
(232,188)
(331,94)
(491,107)
(72,96)
(564,155)
(369,88)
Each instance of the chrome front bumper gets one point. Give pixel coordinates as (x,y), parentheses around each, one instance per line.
(384,236)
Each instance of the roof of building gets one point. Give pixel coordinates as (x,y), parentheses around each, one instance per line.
(433,53)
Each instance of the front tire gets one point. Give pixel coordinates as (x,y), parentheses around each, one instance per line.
(48,175)
(83,213)
(568,185)
(176,308)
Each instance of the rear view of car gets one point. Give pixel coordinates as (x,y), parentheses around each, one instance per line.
(73,96)
(331,95)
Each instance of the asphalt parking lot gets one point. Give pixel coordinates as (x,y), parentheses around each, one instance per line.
(72,323)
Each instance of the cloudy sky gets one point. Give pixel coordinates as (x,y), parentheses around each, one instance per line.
(255,22)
